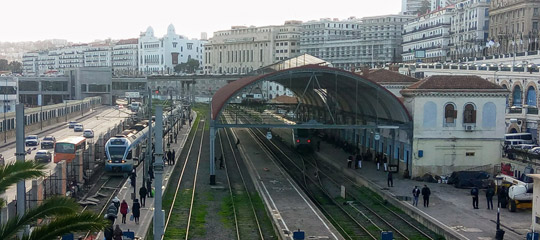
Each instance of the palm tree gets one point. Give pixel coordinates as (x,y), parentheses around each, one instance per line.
(61,215)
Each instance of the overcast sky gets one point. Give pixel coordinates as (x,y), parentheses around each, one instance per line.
(85,21)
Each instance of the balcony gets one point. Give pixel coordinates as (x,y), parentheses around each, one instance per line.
(532,110)
(515,110)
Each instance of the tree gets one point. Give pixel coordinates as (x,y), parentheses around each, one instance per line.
(4,65)
(15,67)
(62,215)
(190,66)
(426,6)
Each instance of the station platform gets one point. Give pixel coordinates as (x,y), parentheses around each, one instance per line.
(450,208)
(147,212)
(289,207)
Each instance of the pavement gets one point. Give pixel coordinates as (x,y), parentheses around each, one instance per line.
(449,207)
(100,120)
(147,212)
(287,204)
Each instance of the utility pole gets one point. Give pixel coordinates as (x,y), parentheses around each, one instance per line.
(158,169)
(148,158)
(40,104)
(4,125)
(20,155)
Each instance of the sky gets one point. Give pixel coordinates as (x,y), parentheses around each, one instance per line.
(85,21)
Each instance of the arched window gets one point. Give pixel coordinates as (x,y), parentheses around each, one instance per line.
(450,114)
(469,114)
(531,96)
(516,96)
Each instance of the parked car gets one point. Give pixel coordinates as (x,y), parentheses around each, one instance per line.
(78,127)
(43,156)
(48,142)
(31,140)
(469,179)
(88,133)
(524,147)
(72,124)
(535,150)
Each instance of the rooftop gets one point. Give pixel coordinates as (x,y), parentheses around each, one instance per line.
(454,83)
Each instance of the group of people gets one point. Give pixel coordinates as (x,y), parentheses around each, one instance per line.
(426,193)
(112,213)
(490,192)
(170,157)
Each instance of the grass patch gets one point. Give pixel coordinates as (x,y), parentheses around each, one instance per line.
(198,217)
(226,213)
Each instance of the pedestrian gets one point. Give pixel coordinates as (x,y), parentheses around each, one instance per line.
(169,156)
(378,161)
(390,179)
(136,209)
(318,145)
(349,162)
(416,194)
(124,210)
(116,203)
(489,197)
(133,178)
(237,142)
(474,193)
(359,160)
(117,234)
(108,232)
(221,162)
(149,187)
(173,157)
(502,197)
(425,193)
(142,193)
(385,162)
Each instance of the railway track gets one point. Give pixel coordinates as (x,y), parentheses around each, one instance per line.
(360,209)
(246,218)
(178,219)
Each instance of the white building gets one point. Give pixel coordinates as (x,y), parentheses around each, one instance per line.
(125,57)
(459,123)
(469,29)
(410,7)
(29,63)
(98,56)
(427,36)
(438,4)
(354,42)
(271,90)
(161,55)
(243,49)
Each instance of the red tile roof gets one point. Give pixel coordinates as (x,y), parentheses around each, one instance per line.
(128,41)
(382,76)
(284,100)
(455,83)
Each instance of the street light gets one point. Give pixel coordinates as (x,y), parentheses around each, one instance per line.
(41,103)
(5,108)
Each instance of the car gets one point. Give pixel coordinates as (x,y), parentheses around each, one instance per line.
(43,156)
(534,150)
(72,124)
(88,133)
(31,140)
(48,142)
(78,127)
(524,147)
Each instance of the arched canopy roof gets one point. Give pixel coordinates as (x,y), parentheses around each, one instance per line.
(325,87)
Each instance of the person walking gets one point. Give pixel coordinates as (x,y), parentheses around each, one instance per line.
(108,232)
(142,193)
(124,210)
(133,178)
(502,197)
(390,179)
(426,193)
(117,234)
(169,157)
(416,194)
(385,162)
(221,166)
(359,160)
(349,162)
(136,209)
(490,192)
(474,193)
(378,161)
(173,157)
(116,203)
(149,187)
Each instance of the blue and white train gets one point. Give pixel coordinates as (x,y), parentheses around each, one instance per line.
(123,150)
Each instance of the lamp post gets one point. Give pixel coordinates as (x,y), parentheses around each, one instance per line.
(5,109)
(41,104)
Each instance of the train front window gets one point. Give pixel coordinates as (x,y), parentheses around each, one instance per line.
(302,133)
(117,153)
(64,148)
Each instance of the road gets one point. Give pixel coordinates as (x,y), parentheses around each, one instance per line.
(100,121)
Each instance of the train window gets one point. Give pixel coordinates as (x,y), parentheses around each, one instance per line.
(130,154)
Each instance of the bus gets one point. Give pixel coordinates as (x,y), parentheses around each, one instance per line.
(65,149)
(522,138)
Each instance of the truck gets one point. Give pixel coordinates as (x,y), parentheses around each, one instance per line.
(520,189)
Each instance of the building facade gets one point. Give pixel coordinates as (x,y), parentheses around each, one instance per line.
(458,123)
(161,55)
(243,49)
(352,43)
(125,57)
(98,56)
(469,29)
(411,7)
(8,89)
(427,37)
(514,25)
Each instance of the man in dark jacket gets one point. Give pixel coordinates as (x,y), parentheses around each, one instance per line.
(142,193)
(416,194)
(390,179)
(426,193)
(474,193)
(489,197)
(502,197)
